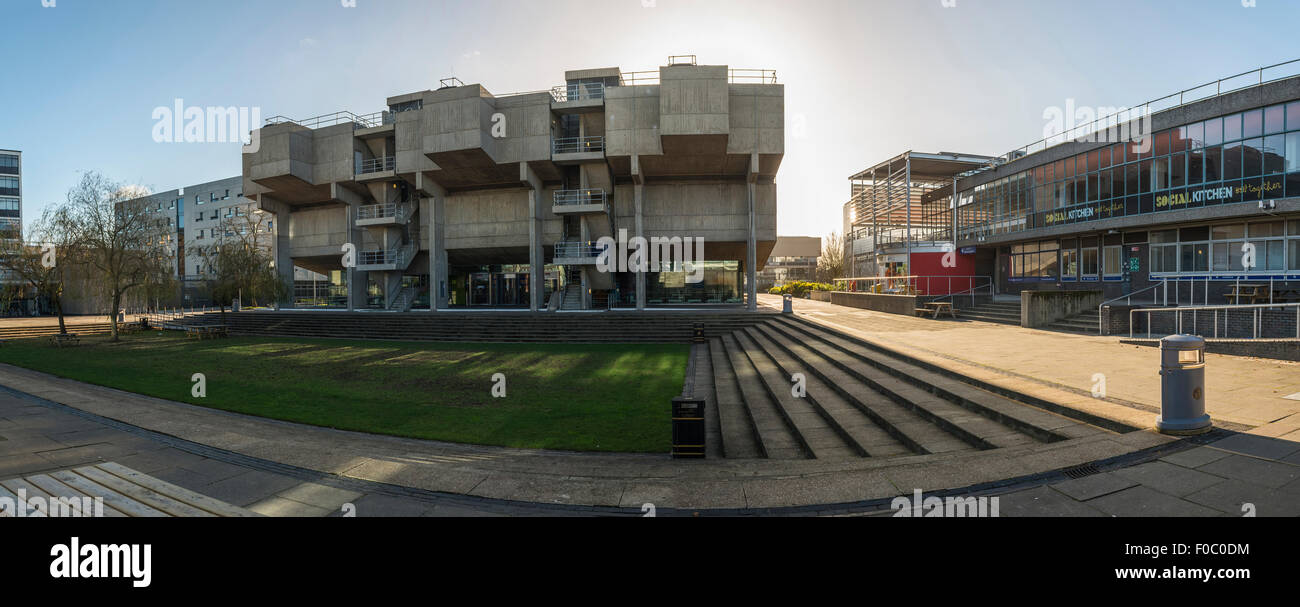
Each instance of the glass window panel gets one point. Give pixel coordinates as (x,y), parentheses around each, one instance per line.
(1214,131)
(1180,143)
(1294,254)
(1213,164)
(1228,232)
(1103,159)
(1274,119)
(1232,161)
(1273,151)
(1292,152)
(1232,127)
(1160,174)
(1162,143)
(1252,161)
(1266,229)
(1117,182)
(1293,116)
(1196,135)
(1195,167)
(1253,125)
(1164,236)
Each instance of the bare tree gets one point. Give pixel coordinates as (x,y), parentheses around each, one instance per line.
(831,264)
(117,235)
(241,259)
(36,263)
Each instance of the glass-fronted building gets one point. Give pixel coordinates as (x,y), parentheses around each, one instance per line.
(1178,199)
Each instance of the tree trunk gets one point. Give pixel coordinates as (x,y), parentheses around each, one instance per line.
(112,314)
(58,308)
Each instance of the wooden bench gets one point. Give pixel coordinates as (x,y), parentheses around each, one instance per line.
(936,308)
(65,339)
(201,332)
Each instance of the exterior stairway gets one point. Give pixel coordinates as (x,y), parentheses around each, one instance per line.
(1001,312)
(1083,323)
(403,301)
(572,297)
(862,401)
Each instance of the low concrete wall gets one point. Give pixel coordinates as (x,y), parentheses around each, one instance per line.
(820,296)
(1042,308)
(891,304)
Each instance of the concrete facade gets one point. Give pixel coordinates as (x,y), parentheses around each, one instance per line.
(457,197)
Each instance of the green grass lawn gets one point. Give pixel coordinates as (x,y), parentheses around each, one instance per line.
(559,396)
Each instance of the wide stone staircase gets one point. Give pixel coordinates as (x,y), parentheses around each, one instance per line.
(502,327)
(53,329)
(861,400)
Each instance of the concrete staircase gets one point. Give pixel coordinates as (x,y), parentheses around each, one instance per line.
(1001,312)
(403,300)
(499,327)
(1082,323)
(861,401)
(46,331)
(572,297)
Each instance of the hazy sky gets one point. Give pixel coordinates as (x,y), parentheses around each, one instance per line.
(864,80)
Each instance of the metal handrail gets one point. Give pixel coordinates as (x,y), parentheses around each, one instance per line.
(1147,109)
(396,210)
(385,257)
(578,92)
(575,145)
(1101,330)
(1256,316)
(972,291)
(577,249)
(377,165)
(580,197)
(324,120)
(734,76)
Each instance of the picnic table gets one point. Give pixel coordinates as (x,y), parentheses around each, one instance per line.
(65,339)
(201,332)
(1261,294)
(936,308)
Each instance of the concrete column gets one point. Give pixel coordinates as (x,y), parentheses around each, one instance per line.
(358,281)
(536,253)
(436,222)
(280,253)
(751,242)
(639,200)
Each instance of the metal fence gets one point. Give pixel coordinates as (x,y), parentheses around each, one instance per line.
(577,145)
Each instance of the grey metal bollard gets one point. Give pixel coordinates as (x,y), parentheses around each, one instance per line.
(787,304)
(1182,386)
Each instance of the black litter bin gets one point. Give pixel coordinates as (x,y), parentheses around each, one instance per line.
(688,428)
(697,333)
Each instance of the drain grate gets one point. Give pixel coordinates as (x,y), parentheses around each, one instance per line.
(1081,471)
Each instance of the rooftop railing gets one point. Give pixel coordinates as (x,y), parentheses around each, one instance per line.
(1117,121)
(734,76)
(578,145)
(395,210)
(337,118)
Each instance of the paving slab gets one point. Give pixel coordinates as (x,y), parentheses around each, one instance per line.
(1254,470)
(1168,478)
(1195,457)
(1043,502)
(1096,485)
(1230,496)
(1146,502)
(1258,446)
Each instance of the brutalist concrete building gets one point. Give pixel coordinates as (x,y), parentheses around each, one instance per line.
(459,198)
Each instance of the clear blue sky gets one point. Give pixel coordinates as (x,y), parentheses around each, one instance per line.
(865,79)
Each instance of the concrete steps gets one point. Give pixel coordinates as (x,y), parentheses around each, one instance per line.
(1006,313)
(862,401)
(46,331)
(504,327)
(1082,323)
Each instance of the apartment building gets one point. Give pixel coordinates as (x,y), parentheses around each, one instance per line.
(456,197)
(11,189)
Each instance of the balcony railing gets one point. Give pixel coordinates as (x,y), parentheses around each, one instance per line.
(397,256)
(578,92)
(580,197)
(396,210)
(377,165)
(577,249)
(578,145)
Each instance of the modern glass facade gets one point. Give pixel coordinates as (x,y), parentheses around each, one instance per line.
(1242,157)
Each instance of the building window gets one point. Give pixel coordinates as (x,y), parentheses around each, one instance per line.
(1112,261)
